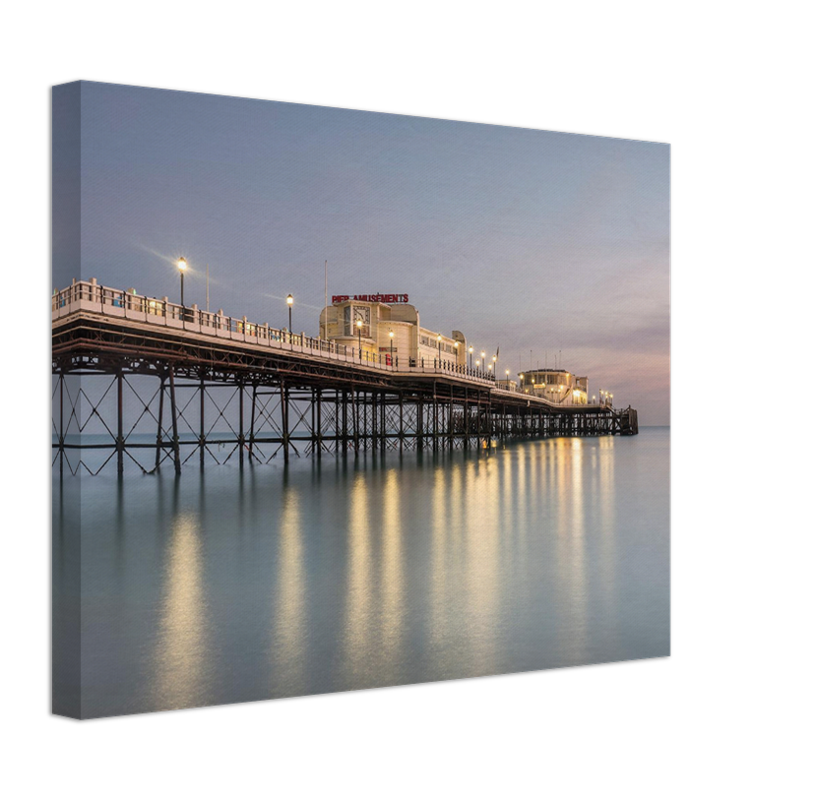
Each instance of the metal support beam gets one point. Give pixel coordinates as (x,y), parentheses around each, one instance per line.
(174,413)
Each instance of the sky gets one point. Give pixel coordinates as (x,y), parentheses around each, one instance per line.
(538,242)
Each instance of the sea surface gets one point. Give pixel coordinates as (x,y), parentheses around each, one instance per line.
(229,585)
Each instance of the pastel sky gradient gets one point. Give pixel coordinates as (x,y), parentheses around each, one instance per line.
(533,240)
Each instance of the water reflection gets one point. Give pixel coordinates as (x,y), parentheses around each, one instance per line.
(359,583)
(392,579)
(181,646)
(290,620)
(367,572)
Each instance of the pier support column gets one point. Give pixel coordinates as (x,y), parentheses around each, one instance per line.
(450,421)
(383,442)
(355,417)
(61,422)
(241,436)
(160,434)
(120,441)
(344,421)
(284,407)
(252,416)
(174,414)
(319,424)
(466,419)
(401,422)
(435,420)
(202,430)
(419,424)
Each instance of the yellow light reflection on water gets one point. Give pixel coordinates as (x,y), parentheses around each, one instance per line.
(181,651)
(481,578)
(439,575)
(358,601)
(288,647)
(392,604)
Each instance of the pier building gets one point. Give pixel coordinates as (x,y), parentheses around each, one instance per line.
(556,385)
(386,326)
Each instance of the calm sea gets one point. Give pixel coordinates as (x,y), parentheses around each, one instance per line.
(230,585)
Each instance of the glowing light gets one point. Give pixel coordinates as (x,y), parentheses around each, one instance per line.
(438,338)
(359,323)
(290,300)
(390,333)
(181,263)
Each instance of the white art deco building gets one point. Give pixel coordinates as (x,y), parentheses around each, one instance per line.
(388,327)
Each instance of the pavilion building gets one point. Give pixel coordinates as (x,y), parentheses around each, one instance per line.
(387,328)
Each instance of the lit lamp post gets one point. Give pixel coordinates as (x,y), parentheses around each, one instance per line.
(182,266)
(521,379)
(290,303)
(390,334)
(359,336)
(438,339)
(483,359)
(471,358)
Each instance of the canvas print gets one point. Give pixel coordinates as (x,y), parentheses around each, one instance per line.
(344,400)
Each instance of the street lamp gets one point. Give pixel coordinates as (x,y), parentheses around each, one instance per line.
(390,334)
(438,339)
(290,303)
(471,357)
(182,266)
(483,358)
(359,335)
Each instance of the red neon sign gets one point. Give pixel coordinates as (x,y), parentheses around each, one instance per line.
(371,298)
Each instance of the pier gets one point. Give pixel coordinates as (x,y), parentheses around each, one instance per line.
(144,380)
